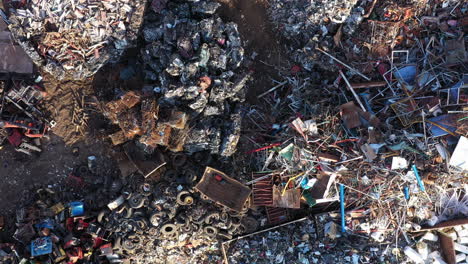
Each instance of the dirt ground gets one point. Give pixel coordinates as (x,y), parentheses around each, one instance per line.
(21,173)
(257,34)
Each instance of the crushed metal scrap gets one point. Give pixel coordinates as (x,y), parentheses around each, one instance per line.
(364,162)
(74,39)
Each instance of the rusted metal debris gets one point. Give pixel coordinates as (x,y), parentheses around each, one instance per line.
(222,189)
(75,38)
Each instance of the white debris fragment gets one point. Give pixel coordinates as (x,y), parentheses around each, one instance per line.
(423,250)
(460,257)
(460,248)
(413,255)
(458,158)
(399,163)
(430,237)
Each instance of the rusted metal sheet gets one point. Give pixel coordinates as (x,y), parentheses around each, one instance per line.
(448,250)
(14,59)
(130,123)
(130,99)
(446,224)
(177,139)
(262,192)
(222,189)
(118,138)
(160,135)
(112,109)
(289,199)
(149,114)
(276,215)
(176,119)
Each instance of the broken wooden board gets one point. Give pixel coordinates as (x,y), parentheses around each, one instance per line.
(290,199)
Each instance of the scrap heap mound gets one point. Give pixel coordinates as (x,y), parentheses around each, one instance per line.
(351,28)
(194,85)
(99,217)
(307,25)
(385,137)
(74,39)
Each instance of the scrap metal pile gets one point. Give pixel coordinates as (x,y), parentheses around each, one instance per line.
(386,135)
(307,24)
(22,123)
(366,136)
(191,62)
(74,39)
(99,217)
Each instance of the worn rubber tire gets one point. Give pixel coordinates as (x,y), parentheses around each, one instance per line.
(179,160)
(136,201)
(170,175)
(210,231)
(169,230)
(184,198)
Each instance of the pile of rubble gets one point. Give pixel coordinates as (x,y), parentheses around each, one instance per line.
(74,39)
(130,220)
(382,139)
(355,30)
(393,147)
(301,241)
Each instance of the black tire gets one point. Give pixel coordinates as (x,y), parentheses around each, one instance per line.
(179,160)
(136,201)
(169,230)
(210,231)
(170,175)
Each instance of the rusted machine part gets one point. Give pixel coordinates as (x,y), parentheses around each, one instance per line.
(224,235)
(190,176)
(125,211)
(131,243)
(156,218)
(136,201)
(146,189)
(210,231)
(103,215)
(187,228)
(143,223)
(184,198)
(169,230)
(153,231)
(209,218)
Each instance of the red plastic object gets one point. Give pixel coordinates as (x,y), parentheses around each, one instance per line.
(75,254)
(295,69)
(15,137)
(98,243)
(218,177)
